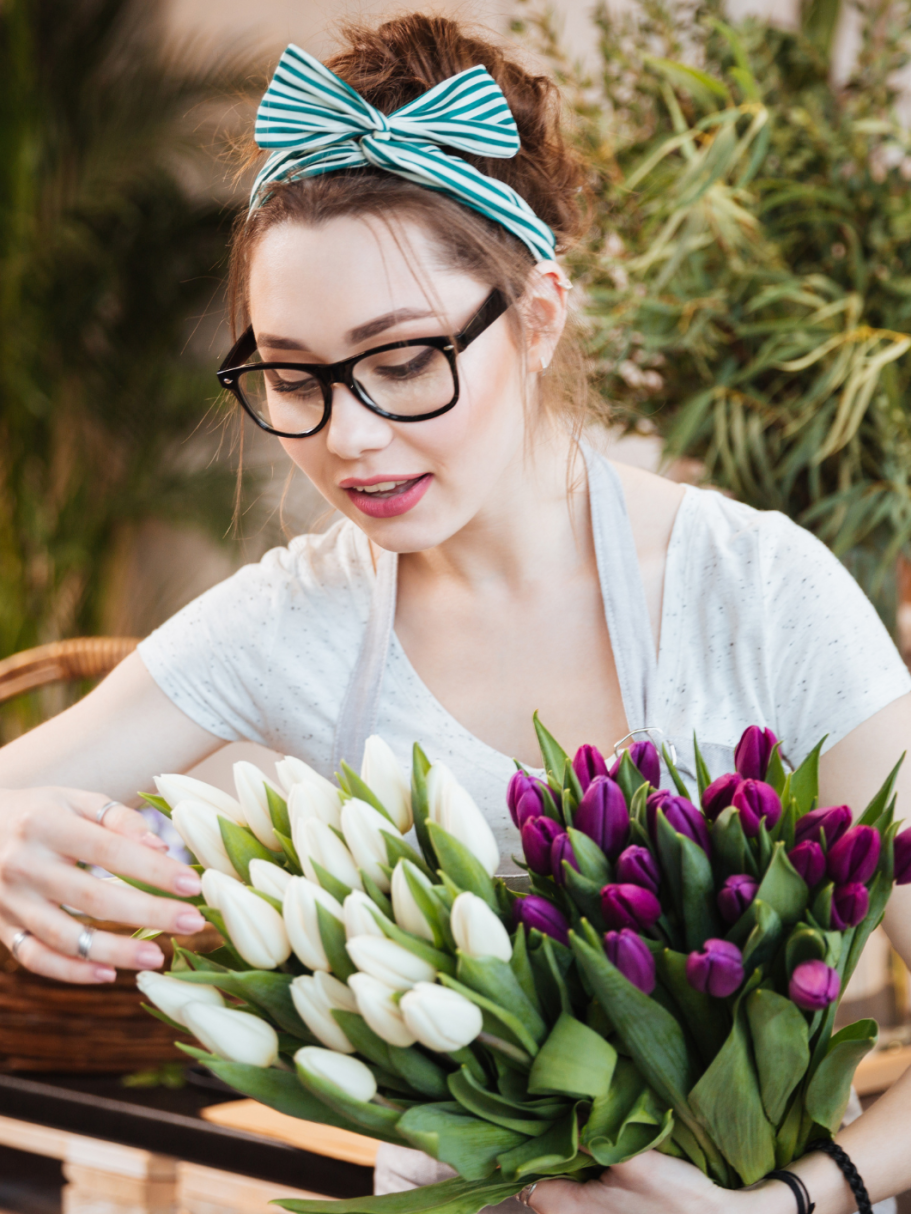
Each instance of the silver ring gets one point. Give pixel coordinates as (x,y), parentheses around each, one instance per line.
(99,817)
(17,942)
(84,943)
(526,1195)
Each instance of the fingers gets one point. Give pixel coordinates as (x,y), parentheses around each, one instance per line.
(125,821)
(565,1197)
(63,934)
(35,956)
(111,900)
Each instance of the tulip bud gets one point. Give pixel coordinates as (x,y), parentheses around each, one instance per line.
(814,985)
(360,913)
(383,775)
(753,751)
(561,849)
(735,896)
(536,912)
(363,828)
(441,1019)
(632,957)
(251,792)
(232,1035)
(644,757)
(637,866)
(682,816)
(716,969)
(351,1076)
(538,835)
(301,921)
(197,825)
(832,822)
(292,772)
(603,816)
(315,997)
(855,856)
(756,802)
(254,927)
(171,996)
(389,962)
(377,1004)
(451,807)
(720,794)
(850,904)
(269,878)
(809,861)
(588,762)
(405,909)
(315,841)
(526,798)
(629,906)
(477,931)
(175,788)
(320,801)
(903,858)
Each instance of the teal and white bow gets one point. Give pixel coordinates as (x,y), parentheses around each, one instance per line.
(317,123)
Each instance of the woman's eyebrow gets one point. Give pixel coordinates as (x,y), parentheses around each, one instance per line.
(354,336)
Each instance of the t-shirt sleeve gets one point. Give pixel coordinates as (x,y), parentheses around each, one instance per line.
(831,662)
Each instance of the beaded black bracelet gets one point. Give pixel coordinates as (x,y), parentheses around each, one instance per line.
(797,1187)
(851,1174)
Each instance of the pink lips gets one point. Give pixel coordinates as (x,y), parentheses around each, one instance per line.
(396,501)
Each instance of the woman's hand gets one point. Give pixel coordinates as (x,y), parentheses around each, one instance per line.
(43,833)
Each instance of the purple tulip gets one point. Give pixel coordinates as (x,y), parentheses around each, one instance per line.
(716,969)
(644,757)
(561,849)
(526,798)
(720,794)
(850,904)
(756,802)
(855,856)
(753,751)
(735,896)
(903,858)
(637,866)
(814,985)
(537,836)
(682,816)
(603,816)
(632,957)
(588,762)
(536,912)
(629,906)
(833,821)
(810,861)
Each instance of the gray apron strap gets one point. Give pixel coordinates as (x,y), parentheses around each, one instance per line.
(358,714)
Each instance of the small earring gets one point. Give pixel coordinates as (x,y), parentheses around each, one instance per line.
(544,365)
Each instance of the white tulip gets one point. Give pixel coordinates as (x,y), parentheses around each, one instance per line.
(235,1036)
(405,910)
(383,775)
(478,932)
(251,791)
(314,801)
(360,915)
(197,825)
(170,995)
(292,772)
(362,826)
(441,1019)
(350,1075)
(376,1003)
(451,806)
(315,997)
(255,928)
(301,921)
(269,878)
(317,841)
(176,788)
(389,962)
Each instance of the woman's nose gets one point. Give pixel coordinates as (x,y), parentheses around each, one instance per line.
(353,429)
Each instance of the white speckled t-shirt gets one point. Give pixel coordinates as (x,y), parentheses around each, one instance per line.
(761,625)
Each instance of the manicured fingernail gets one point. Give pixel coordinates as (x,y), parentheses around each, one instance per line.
(151,840)
(189,921)
(188,883)
(104,973)
(149,956)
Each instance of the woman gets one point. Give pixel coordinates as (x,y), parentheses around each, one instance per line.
(489,562)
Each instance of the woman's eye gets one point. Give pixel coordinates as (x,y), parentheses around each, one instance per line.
(416,365)
(300,387)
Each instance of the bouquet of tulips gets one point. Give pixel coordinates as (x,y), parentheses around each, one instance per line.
(669,980)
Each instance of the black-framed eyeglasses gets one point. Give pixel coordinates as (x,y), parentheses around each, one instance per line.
(406,381)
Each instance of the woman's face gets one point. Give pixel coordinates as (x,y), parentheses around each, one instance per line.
(323,294)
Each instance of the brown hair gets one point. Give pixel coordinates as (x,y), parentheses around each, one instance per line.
(390,65)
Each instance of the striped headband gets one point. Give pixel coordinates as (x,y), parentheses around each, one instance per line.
(317,123)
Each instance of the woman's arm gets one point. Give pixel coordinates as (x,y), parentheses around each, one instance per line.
(111,743)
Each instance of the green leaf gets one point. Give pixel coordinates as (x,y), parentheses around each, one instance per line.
(496,979)
(805,943)
(265,989)
(242,846)
(829,1089)
(511,1022)
(703,777)
(530,1119)
(375,894)
(574,1061)
(554,756)
(421,1072)
(585,894)
(702,87)
(521,967)
(775,772)
(591,859)
(783,888)
(420,765)
(700,915)
(462,868)
(378,1121)
(195,900)
(422,948)
(675,774)
(764,938)
(278,810)
(466,1143)
(629,777)
(338,889)
(456,1196)
(290,851)
(332,934)
(217,920)
(733,854)
(157,802)
(159,1015)
(707,1019)
(878,805)
(805,781)
(547,1155)
(356,787)
(644,1125)
(780,1047)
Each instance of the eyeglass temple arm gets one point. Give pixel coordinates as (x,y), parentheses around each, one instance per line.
(242,350)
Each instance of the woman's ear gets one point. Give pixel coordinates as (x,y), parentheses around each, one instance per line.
(544,306)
